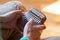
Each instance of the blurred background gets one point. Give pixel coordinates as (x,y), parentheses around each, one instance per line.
(51,8)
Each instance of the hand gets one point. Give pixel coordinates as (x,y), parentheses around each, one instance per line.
(10,23)
(33,31)
(11,18)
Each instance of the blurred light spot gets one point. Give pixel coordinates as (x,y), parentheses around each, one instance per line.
(53,8)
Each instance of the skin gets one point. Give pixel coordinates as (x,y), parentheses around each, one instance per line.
(12,25)
(30,30)
(33,31)
(10,22)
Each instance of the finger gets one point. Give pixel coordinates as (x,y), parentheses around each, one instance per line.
(43,26)
(22,8)
(39,27)
(27,26)
(11,15)
(17,12)
(31,23)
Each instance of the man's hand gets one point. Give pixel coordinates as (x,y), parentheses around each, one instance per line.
(10,24)
(33,31)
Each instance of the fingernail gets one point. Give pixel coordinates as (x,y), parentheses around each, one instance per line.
(30,19)
(43,27)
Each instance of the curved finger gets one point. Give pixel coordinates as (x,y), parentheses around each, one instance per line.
(28,25)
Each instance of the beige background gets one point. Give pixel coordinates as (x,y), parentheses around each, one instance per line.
(53,21)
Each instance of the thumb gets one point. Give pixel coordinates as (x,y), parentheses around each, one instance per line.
(28,25)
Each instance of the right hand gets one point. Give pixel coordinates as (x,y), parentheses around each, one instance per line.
(33,31)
